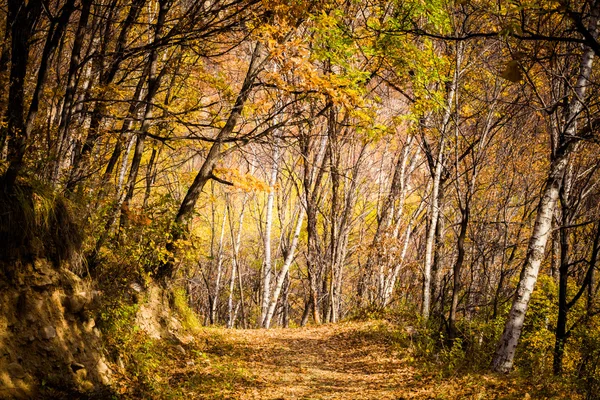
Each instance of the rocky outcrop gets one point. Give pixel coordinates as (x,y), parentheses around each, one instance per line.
(48,338)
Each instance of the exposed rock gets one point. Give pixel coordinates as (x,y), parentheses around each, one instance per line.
(120,363)
(89,325)
(48,332)
(43,276)
(41,281)
(104,371)
(77,302)
(44,329)
(136,287)
(75,366)
(42,265)
(180,349)
(69,279)
(81,374)
(15,370)
(87,386)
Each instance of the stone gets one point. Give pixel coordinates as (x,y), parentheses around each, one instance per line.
(86,386)
(48,332)
(44,274)
(15,370)
(103,371)
(81,374)
(41,281)
(89,325)
(75,366)
(180,349)
(77,302)
(136,287)
(120,363)
(42,265)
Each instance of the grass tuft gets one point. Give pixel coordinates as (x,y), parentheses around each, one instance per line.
(35,222)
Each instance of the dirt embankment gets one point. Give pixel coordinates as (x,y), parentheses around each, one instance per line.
(49,343)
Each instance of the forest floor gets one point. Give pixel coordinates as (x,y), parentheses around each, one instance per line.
(353,360)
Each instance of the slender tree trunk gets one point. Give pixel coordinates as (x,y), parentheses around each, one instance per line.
(154,81)
(504,356)
(289,258)
(505,353)
(437,266)
(82,158)
(561,322)
(54,36)
(591,292)
(24,18)
(434,212)
(267,264)
(306,312)
(437,169)
(124,136)
(71,90)
(150,177)
(217,288)
(205,173)
(234,260)
(285,301)
(391,281)
(464,223)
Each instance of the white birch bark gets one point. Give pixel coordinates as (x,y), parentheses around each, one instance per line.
(434,212)
(267,264)
(435,192)
(284,270)
(391,280)
(231,313)
(124,165)
(505,352)
(213,306)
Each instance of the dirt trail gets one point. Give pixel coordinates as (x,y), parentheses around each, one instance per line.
(350,360)
(341,361)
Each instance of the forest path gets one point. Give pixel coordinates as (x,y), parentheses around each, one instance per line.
(334,361)
(349,360)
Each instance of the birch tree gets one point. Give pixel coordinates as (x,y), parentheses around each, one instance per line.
(569,139)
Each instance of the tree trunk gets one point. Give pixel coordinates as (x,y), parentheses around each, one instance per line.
(267,264)
(464,223)
(24,18)
(503,359)
(165,270)
(154,81)
(284,272)
(234,264)
(217,288)
(505,353)
(434,212)
(82,158)
(71,89)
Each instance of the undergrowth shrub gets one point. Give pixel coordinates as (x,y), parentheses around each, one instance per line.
(367,313)
(585,342)
(135,244)
(140,356)
(36,222)
(536,348)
